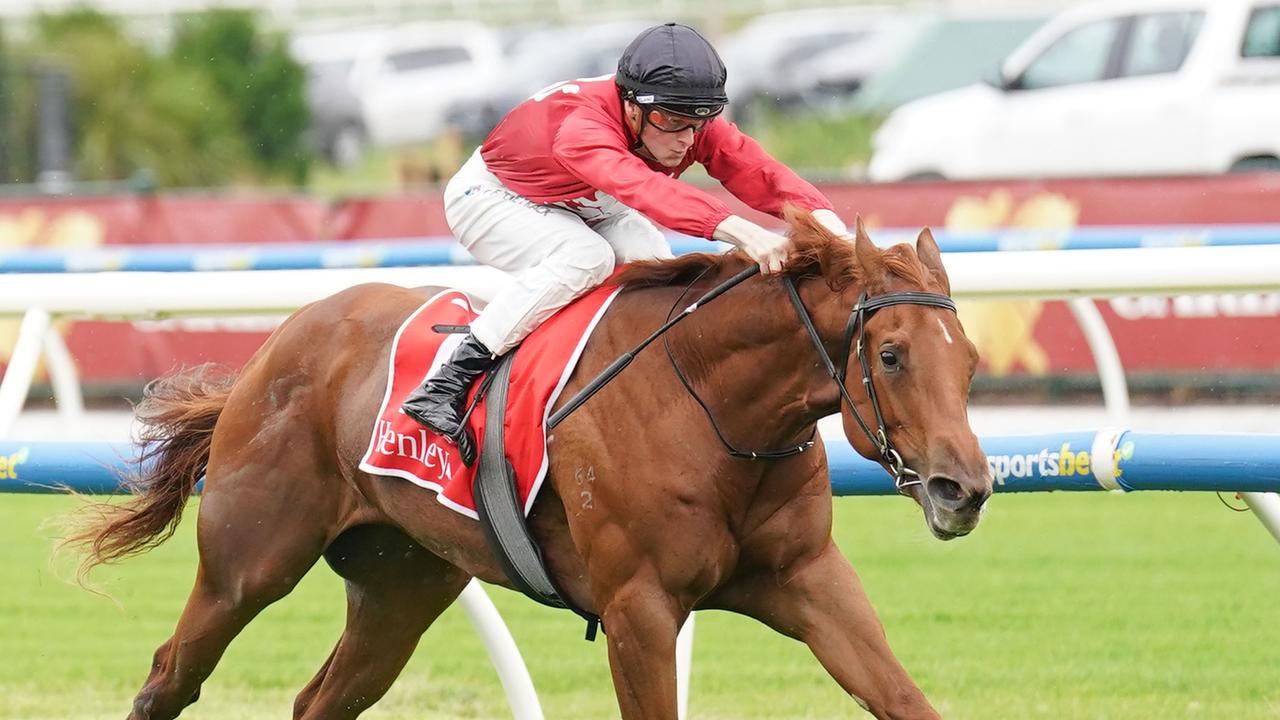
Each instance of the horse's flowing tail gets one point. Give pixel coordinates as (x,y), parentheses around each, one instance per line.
(177,415)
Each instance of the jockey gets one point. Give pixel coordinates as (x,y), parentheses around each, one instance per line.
(561,191)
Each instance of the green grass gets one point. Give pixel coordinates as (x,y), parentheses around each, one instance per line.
(391,169)
(376,172)
(1062,606)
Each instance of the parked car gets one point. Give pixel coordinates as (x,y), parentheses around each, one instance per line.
(833,76)
(393,86)
(538,57)
(426,69)
(337,124)
(954,50)
(1114,87)
(787,60)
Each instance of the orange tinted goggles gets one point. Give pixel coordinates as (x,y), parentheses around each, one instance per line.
(668,122)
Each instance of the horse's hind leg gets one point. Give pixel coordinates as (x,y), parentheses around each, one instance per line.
(395,590)
(254,547)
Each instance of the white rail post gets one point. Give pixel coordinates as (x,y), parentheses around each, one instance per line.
(684,667)
(65,380)
(1115,391)
(1267,507)
(503,652)
(22,366)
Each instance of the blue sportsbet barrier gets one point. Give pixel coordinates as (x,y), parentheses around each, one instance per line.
(437,251)
(1099,460)
(1086,460)
(88,467)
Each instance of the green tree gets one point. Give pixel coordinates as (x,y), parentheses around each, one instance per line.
(132,110)
(9,132)
(264,86)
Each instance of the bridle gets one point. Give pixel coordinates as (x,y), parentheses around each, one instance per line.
(903,476)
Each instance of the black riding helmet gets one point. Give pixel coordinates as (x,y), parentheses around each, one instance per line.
(674,68)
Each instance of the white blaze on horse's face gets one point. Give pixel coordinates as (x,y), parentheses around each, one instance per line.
(946,335)
(930,426)
(922,379)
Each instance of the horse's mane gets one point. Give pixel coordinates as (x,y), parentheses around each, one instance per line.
(818,253)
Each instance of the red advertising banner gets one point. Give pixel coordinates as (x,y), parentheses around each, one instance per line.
(158,219)
(1205,335)
(394,216)
(1251,198)
(1185,336)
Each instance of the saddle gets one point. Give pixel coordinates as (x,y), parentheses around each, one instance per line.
(507,414)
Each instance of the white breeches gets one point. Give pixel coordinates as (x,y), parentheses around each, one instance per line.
(556,252)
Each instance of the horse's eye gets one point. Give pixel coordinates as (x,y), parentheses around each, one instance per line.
(890,359)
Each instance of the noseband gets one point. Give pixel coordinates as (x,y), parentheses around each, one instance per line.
(903,476)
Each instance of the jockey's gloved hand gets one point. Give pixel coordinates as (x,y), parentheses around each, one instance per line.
(831,221)
(769,249)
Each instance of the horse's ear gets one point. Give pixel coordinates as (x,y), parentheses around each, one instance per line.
(931,257)
(868,254)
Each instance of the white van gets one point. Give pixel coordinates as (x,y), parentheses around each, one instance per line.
(424,70)
(1115,87)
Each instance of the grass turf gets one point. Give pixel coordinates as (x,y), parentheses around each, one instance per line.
(1059,606)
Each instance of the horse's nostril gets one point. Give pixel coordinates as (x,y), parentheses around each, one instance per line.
(946,491)
(978,499)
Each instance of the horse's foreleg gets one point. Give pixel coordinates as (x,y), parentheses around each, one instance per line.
(642,621)
(395,590)
(819,601)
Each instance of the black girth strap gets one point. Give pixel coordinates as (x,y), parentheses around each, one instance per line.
(501,515)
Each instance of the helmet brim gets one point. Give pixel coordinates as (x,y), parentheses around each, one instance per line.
(696,111)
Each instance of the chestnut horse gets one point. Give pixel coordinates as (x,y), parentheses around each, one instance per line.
(674,523)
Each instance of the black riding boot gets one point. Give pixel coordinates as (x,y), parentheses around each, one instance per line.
(442,399)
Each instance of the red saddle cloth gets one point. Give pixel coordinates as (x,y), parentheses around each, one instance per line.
(400,447)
